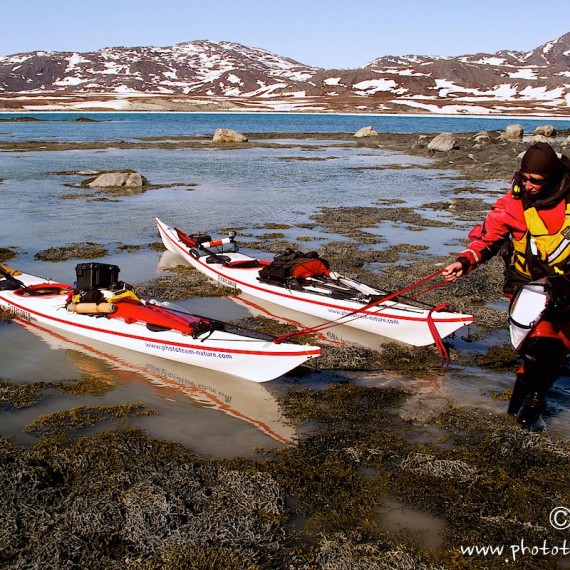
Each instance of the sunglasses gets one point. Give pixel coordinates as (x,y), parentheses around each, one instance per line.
(533,180)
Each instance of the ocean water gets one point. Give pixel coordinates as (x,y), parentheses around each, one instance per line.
(131,126)
(206,190)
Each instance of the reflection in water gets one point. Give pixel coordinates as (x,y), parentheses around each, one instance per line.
(248,402)
(423,528)
(431,393)
(338,335)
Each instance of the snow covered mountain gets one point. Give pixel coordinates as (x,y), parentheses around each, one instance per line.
(205,75)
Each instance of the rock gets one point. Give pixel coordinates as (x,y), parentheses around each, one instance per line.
(546,130)
(443,142)
(365,132)
(514,132)
(118,180)
(228,136)
(482,136)
(420,142)
(540,138)
(566,142)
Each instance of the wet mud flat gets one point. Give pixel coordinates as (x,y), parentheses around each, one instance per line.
(120,499)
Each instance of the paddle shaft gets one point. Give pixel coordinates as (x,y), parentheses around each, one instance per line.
(11,278)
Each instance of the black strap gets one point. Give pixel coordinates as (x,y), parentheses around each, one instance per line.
(17,282)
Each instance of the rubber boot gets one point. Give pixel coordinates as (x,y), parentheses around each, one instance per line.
(531,410)
(534,386)
(542,362)
(520,392)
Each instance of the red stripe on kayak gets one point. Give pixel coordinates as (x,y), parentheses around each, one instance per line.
(314,352)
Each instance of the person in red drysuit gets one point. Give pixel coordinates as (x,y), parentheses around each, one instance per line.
(530,228)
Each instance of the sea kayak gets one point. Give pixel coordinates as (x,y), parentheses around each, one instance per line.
(121,319)
(320,293)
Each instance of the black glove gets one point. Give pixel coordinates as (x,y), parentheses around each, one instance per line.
(558,289)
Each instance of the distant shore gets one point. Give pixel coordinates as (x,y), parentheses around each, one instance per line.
(80,111)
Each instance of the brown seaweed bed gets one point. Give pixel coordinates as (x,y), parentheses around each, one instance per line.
(121,499)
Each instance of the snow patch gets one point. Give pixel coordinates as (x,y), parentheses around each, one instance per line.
(542,93)
(525,73)
(67,81)
(446,109)
(489,61)
(74,61)
(375,85)
(235,79)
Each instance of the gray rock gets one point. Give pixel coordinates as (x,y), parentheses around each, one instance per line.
(514,132)
(443,142)
(228,136)
(546,130)
(482,136)
(365,132)
(540,138)
(118,180)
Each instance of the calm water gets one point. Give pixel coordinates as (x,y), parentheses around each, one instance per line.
(129,126)
(208,189)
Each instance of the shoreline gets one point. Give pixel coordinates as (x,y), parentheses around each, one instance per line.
(488,116)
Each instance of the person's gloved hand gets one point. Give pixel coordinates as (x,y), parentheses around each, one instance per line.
(558,290)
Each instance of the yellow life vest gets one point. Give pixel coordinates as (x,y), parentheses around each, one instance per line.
(551,251)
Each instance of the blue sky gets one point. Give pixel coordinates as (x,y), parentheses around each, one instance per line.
(323,33)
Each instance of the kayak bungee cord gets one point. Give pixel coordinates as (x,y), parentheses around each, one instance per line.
(356,314)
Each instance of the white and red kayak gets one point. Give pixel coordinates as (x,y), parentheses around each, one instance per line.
(152,328)
(328,296)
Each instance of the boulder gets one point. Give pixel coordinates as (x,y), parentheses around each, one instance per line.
(540,138)
(228,136)
(365,132)
(546,130)
(514,132)
(443,142)
(118,180)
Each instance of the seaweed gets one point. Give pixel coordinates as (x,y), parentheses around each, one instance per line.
(121,499)
(7,253)
(84,250)
(182,282)
(14,396)
(84,416)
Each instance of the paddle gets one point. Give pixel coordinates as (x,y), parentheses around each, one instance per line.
(17,282)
